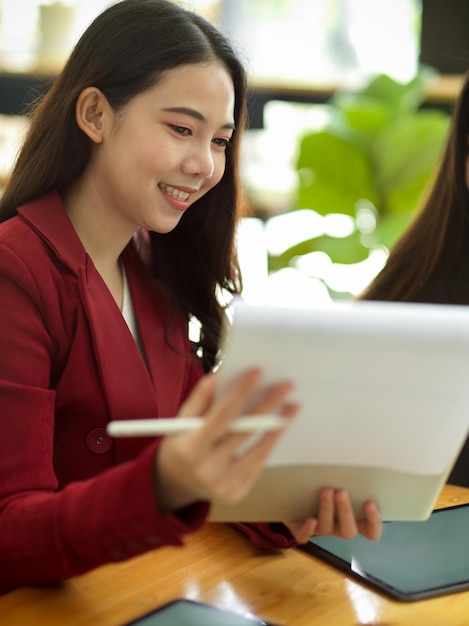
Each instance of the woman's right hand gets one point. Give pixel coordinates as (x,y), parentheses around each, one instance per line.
(206,464)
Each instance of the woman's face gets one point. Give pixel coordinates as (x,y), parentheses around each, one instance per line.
(166,149)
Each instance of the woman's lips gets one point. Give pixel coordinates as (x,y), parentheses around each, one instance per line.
(177,197)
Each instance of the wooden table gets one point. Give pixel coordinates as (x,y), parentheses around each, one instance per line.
(220,567)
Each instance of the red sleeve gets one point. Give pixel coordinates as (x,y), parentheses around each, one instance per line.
(268,536)
(46,537)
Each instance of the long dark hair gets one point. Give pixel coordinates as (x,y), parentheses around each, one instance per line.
(124,52)
(433,244)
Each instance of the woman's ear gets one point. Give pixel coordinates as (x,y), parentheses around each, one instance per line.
(91,111)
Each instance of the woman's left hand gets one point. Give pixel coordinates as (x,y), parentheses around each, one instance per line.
(336,517)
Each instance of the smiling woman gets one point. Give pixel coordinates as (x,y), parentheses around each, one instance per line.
(153,160)
(68,150)
(117,228)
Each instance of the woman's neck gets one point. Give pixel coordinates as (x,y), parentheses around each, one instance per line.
(103,239)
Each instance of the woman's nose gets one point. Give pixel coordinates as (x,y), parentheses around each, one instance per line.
(200,164)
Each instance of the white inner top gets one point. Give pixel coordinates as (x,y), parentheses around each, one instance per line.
(128,313)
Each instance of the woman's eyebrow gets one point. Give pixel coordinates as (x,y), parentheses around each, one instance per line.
(196,115)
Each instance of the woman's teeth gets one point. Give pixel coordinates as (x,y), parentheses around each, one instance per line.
(177,194)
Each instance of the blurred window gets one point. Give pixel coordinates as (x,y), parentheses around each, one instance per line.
(326,41)
(318,41)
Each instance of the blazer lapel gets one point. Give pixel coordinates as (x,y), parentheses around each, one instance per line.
(129,390)
(163,337)
(129,387)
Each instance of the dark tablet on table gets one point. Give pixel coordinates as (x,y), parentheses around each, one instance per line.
(184,612)
(411,561)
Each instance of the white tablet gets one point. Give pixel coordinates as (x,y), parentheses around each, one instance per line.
(385,403)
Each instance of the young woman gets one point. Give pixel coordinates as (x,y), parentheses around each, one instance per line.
(117,228)
(430,262)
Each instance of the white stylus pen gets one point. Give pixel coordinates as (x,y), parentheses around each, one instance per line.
(172,426)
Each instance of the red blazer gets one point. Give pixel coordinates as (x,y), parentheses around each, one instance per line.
(71,498)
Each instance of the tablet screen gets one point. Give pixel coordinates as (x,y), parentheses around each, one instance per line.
(412,560)
(183,612)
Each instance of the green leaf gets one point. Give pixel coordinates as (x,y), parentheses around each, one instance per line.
(334,174)
(406,153)
(344,250)
(341,250)
(364,115)
(398,97)
(378,146)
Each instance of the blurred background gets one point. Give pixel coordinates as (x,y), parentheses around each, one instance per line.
(349,105)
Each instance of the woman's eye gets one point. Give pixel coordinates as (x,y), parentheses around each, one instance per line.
(181,130)
(223,143)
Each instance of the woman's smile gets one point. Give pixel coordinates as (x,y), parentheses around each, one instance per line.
(177,194)
(178,197)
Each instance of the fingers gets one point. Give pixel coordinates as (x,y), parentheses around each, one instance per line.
(326,513)
(255,447)
(210,462)
(302,531)
(336,516)
(201,398)
(372,526)
(243,471)
(242,458)
(244,394)
(218,413)
(348,525)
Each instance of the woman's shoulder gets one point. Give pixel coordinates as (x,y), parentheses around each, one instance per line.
(41,233)
(27,258)
(11,229)
(18,241)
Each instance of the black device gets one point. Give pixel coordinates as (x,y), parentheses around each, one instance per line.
(185,612)
(411,561)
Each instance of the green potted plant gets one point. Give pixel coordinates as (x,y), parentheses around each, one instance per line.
(373,158)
